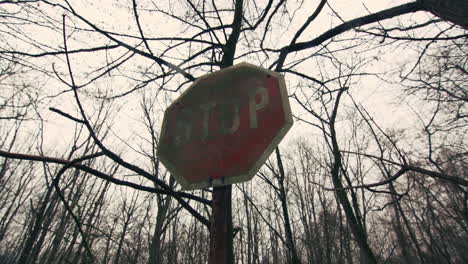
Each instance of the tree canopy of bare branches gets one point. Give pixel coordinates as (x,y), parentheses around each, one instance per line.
(374,170)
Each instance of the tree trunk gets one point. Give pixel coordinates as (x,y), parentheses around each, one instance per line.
(354,223)
(156,241)
(34,234)
(455,11)
(292,253)
(221,238)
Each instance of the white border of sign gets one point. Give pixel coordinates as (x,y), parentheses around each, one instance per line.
(186,185)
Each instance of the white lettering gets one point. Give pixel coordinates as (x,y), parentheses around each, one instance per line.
(230,112)
(206,109)
(183,128)
(254,106)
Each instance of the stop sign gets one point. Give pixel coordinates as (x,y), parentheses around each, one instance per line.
(224,126)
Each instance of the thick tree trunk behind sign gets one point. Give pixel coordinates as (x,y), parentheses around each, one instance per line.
(221,238)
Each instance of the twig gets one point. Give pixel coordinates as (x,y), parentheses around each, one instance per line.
(66,115)
(123,44)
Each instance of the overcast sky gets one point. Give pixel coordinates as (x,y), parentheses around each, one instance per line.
(380,98)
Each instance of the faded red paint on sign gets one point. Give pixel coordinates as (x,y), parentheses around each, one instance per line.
(223,124)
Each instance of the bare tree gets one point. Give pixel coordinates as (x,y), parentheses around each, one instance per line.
(103,78)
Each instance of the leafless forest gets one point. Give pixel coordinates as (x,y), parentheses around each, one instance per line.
(373,171)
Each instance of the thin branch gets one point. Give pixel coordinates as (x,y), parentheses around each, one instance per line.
(263,218)
(262,16)
(137,19)
(129,47)
(67,207)
(101,175)
(357,22)
(66,115)
(311,18)
(53,53)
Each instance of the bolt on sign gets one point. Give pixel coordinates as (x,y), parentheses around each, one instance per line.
(224,126)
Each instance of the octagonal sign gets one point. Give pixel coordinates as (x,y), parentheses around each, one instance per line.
(223,128)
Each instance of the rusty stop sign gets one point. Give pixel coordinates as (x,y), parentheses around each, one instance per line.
(223,128)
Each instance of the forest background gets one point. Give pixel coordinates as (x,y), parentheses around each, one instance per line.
(373,170)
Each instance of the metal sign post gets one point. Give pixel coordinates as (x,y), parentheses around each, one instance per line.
(221,235)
